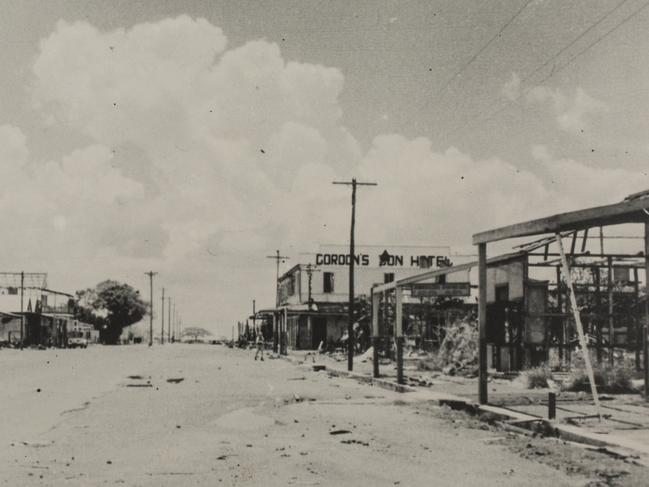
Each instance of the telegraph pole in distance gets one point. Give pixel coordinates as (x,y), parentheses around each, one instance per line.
(22,315)
(168,311)
(277,333)
(350,327)
(174,322)
(151,274)
(277,258)
(310,269)
(162,333)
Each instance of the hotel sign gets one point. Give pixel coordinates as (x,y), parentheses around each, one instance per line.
(440,289)
(384,258)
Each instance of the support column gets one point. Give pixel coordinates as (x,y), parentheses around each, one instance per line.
(275,333)
(284,335)
(562,321)
(375,333)
(398,332)
(482,323)
(598,323)
(611,323)
(645,338)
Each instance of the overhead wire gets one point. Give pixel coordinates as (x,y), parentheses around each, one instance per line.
(554,71)
(466,65)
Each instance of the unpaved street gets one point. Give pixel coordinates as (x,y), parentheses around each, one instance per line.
(224,419)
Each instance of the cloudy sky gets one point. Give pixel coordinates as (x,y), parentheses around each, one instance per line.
(196,137)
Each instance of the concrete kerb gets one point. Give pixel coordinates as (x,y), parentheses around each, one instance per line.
(614,443)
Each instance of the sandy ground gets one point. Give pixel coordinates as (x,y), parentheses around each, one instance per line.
(231,421)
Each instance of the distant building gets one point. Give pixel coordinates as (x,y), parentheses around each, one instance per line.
(46,314)
(9,328)
(314,296)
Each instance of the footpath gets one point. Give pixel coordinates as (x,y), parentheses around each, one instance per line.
(622,429)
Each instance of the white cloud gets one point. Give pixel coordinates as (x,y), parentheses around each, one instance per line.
(241,148)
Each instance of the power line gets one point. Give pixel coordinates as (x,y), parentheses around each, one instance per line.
(496,36)
(563,66)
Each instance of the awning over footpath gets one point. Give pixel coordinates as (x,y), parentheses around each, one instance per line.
(4,314)
(331,309)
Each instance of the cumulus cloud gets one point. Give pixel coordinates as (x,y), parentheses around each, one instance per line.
(240,148)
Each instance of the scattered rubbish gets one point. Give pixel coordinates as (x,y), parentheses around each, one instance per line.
(355,442)
(318,368)
(135,377)
(36,444)
(139,385)
(296,378)
(222,457)
(340,432)
(175,380)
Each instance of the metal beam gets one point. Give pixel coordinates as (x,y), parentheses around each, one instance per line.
(624,212)
(482,323)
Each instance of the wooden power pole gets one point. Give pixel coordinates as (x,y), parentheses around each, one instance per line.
(151,274)
(277,258)
(350,326)
(162,330)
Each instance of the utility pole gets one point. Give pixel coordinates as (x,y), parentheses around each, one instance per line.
(277,258)
(350,327)
(162,332)
(151,274)
(310,269)
(168,310)
(22,316)
(174,322)
(254,321)
(277,323)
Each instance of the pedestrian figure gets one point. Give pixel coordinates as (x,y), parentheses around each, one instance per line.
(260,346)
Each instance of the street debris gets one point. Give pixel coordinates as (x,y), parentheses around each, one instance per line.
(176,380)
(355,442)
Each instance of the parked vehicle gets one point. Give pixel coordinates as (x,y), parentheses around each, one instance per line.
(77,340)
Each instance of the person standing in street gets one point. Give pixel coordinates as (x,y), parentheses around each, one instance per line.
(260,346)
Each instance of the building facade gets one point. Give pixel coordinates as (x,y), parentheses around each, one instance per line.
(314,295)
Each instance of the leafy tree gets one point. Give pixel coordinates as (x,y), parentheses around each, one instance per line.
(110,306)
(195,333)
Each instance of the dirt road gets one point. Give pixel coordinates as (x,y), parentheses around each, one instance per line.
(207,415)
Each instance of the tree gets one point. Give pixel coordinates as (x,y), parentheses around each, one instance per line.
(195,332)
(110,306)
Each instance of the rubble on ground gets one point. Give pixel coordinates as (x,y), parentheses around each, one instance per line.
(458,352)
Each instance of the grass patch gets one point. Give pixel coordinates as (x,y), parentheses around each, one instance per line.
(609,380)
